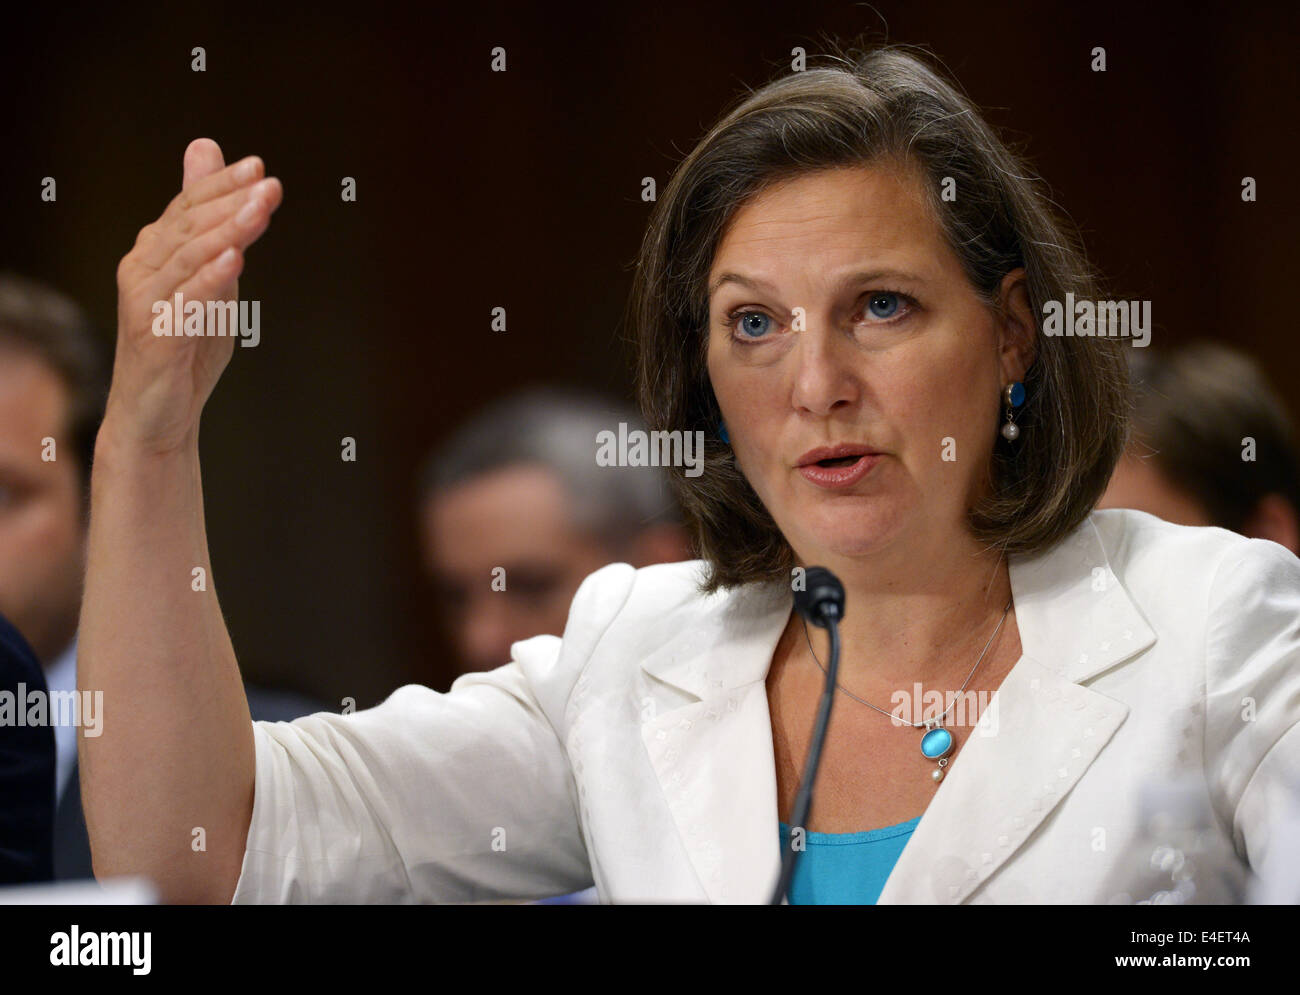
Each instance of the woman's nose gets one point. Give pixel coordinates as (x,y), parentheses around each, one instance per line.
(825,375)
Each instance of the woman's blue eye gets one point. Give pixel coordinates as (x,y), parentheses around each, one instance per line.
(754,323)
(883,305)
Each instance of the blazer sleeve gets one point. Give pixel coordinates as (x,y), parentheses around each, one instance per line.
(1252,716)
(461,796)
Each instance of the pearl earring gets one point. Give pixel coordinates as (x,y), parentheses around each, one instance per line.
(1013,396)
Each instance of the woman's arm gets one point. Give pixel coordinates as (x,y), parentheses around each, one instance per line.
(174,763)
(465,796)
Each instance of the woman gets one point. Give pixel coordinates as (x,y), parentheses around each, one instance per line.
(841,288)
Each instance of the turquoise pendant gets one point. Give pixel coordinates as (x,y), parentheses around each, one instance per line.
(936,743)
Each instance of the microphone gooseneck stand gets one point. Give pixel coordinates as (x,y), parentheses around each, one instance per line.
(821,602)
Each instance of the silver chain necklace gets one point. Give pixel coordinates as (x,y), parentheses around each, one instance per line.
(937,742)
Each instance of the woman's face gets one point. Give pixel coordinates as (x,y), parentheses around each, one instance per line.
(892,356)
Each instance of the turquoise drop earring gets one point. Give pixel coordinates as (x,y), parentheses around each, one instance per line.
(1013,396)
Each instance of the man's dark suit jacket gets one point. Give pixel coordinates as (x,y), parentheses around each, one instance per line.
(26,770)
(71,841)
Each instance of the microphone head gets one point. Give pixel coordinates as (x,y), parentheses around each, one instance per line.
(822,597)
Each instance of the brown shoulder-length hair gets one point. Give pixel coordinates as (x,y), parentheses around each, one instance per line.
(884,105)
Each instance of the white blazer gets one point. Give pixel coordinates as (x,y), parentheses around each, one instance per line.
(635,753)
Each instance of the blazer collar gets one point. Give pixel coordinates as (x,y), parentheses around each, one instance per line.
(712,752)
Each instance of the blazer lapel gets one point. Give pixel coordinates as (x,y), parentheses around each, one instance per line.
(1041,730)
(712,753)
(1007,778)
(711,748)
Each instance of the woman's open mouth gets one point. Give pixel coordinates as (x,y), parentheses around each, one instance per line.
(837,468)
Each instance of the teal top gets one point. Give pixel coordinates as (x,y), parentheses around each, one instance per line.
(846,868)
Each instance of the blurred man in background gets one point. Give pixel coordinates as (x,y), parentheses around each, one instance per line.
(515,511)
(1212,444)
(53,384)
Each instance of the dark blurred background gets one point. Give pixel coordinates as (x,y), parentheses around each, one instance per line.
(522,190)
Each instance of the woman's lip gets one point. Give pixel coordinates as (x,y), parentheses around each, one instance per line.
(834,452)
(839,477)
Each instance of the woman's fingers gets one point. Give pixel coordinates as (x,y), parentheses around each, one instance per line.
(203,157)
(158,245)
(237,226)
(213,276)
(233,177)
(195,209)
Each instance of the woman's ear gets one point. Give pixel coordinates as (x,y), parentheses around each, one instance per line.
(1018,331)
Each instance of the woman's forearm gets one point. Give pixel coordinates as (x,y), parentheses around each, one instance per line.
(168,784)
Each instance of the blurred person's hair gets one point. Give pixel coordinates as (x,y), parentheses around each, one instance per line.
(1194,407)
(39,320)
(884,108)
(557,428)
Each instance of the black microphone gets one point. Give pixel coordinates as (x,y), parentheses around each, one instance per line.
(821,602)
(821,598)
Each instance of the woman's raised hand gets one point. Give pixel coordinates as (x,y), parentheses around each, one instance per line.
(195,248)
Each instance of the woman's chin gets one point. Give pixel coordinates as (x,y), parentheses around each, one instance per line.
(851,534)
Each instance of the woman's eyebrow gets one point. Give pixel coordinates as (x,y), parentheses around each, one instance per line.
(853,279)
